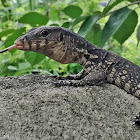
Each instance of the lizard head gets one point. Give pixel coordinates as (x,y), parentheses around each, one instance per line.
(55,42)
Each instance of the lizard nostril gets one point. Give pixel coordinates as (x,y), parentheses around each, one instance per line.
(19,41)
(22,40)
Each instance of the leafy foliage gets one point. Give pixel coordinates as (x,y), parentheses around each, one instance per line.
(11,38)
(33,58)
(88,24)
(110,5)
(34,19)
(120,25)
(6,32)
(122,34)
(73,11)
(111,24)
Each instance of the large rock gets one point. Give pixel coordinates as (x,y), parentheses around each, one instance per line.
(32,108)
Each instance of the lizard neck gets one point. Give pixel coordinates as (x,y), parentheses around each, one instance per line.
(94,57)
(91,55)
(85,52)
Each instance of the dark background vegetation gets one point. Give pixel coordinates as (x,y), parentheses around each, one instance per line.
(112,25)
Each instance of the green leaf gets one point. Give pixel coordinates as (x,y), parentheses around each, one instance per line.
(54,15)
(88,24)
(74,68)
(53,25)
(138,35)
(6,32)
(77,20)
(33,57)
(132,0)
(116,22)
(126,28)
(11,38)
(66,25)
(23,66)
(12,68)
(34,19)
(73,11)
(110,5)
(94,35)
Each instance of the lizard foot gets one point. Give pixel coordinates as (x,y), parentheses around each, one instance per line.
(57,77)
(93,78)
(76,83)
(68,83)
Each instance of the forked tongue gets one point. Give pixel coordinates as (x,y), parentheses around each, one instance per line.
(9,48)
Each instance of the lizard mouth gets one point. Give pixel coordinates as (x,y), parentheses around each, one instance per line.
(19,44)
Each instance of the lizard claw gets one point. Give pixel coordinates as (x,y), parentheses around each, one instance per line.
(59,83)
(58,77)
(137,120)
(56,84)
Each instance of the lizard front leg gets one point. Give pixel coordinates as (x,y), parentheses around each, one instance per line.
(95,77)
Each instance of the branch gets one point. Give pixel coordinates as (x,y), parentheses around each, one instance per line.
(133,3)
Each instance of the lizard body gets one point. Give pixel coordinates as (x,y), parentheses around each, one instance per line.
(98,64)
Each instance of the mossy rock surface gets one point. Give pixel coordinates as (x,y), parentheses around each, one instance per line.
(32,108)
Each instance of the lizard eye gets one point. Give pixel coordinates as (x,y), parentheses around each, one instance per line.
(44,33)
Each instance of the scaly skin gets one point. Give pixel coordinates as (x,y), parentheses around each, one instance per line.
(98,64)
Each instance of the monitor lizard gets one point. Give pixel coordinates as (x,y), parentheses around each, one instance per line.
(99,65)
